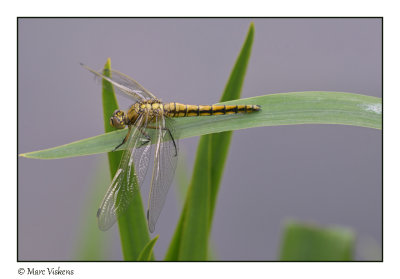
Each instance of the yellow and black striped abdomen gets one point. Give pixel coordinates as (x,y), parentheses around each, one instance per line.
(181,110)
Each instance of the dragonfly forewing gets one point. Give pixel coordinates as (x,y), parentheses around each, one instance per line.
(124,84)
(131,84)
(127,180)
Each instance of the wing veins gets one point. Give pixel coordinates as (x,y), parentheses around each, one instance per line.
(163,170)
(124,184)
(140,93)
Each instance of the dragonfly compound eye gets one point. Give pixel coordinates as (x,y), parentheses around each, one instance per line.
(117,120)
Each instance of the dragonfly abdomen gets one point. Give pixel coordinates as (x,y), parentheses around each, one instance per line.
(181,110)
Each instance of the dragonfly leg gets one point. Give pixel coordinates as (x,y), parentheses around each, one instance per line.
(125,139)
(173,141)
(146,138)
(170,134)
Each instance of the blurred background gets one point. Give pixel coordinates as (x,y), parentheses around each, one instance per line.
(330,175)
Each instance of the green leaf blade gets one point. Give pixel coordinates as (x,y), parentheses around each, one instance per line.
(194,234)
(191,239)
(313,107)
(147,252)
(175,244)
(306,242)
(93,244)
(234,85)
(220,142)
(110,104)
(132,224)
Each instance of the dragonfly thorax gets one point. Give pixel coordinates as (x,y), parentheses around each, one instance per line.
(151,109)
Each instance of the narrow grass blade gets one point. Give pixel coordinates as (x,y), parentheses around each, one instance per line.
(132,225)
(312,107)
(306,242)
(93,244)
(175,244)
(182,178)
(220,142)
(147,252)
(191,238)
(195,230)
(182,181)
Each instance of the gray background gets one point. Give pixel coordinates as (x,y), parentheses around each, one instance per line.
(323,174)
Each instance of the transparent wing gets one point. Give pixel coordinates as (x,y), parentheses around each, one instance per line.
(125,84)
(124,184)
(165,159)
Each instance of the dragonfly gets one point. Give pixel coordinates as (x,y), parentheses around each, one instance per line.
(151,126)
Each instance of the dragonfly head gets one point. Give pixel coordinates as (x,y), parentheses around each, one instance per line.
(118,119)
